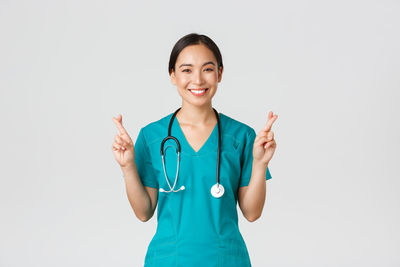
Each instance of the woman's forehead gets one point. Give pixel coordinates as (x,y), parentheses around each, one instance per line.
(195,55)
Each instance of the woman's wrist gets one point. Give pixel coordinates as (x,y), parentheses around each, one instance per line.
(129,169)
(260,165)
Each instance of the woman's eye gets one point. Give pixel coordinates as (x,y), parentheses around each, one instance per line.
(188,70)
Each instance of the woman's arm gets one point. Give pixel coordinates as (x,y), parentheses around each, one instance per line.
(143,199)
(251,198)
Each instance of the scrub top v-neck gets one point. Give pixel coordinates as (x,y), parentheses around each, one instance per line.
(193,227)
(189,147)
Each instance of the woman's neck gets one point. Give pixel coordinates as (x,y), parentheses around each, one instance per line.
(195,115)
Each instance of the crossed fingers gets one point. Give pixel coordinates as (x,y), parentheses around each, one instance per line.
(266,135)
(271,119)
(118,123)
(122,139)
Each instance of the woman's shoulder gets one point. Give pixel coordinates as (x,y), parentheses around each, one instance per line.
(235,127)
(160,123)
(156,129)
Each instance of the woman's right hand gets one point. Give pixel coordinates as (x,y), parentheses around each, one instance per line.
(123,146)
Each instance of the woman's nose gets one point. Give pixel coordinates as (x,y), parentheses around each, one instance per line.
(198,77)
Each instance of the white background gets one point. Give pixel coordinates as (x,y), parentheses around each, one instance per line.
(329,69)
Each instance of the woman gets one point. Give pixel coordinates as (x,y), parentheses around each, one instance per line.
(197,222)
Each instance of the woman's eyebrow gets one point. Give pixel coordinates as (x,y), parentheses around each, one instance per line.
(191,65)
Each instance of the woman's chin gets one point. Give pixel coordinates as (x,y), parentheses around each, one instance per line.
(198,103)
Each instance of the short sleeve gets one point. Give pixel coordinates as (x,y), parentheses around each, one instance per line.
(143,162)
(246,160)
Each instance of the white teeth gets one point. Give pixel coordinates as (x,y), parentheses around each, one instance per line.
(198,91)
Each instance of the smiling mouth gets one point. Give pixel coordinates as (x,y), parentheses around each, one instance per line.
(198,92)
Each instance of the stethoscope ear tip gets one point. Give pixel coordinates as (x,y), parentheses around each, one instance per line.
(182,187)
(162,190)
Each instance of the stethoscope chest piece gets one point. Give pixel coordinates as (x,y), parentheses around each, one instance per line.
(217,190)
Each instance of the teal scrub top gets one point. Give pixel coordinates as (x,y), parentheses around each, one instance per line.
(193,227)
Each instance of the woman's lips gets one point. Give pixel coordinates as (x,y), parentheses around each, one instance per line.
(198,92)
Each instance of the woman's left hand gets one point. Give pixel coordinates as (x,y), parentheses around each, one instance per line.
(264,143)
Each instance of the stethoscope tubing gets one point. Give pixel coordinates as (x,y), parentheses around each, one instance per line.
(179,151)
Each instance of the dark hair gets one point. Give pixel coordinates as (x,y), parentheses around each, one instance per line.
(193,39)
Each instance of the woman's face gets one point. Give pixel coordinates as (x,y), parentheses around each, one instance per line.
(196,75)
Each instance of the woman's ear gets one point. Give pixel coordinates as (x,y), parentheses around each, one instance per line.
(173,78)
(220,74)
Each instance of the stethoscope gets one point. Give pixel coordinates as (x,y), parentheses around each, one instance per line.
(217,190)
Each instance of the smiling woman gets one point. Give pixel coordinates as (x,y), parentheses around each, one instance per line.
(199,70)
(196,226)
